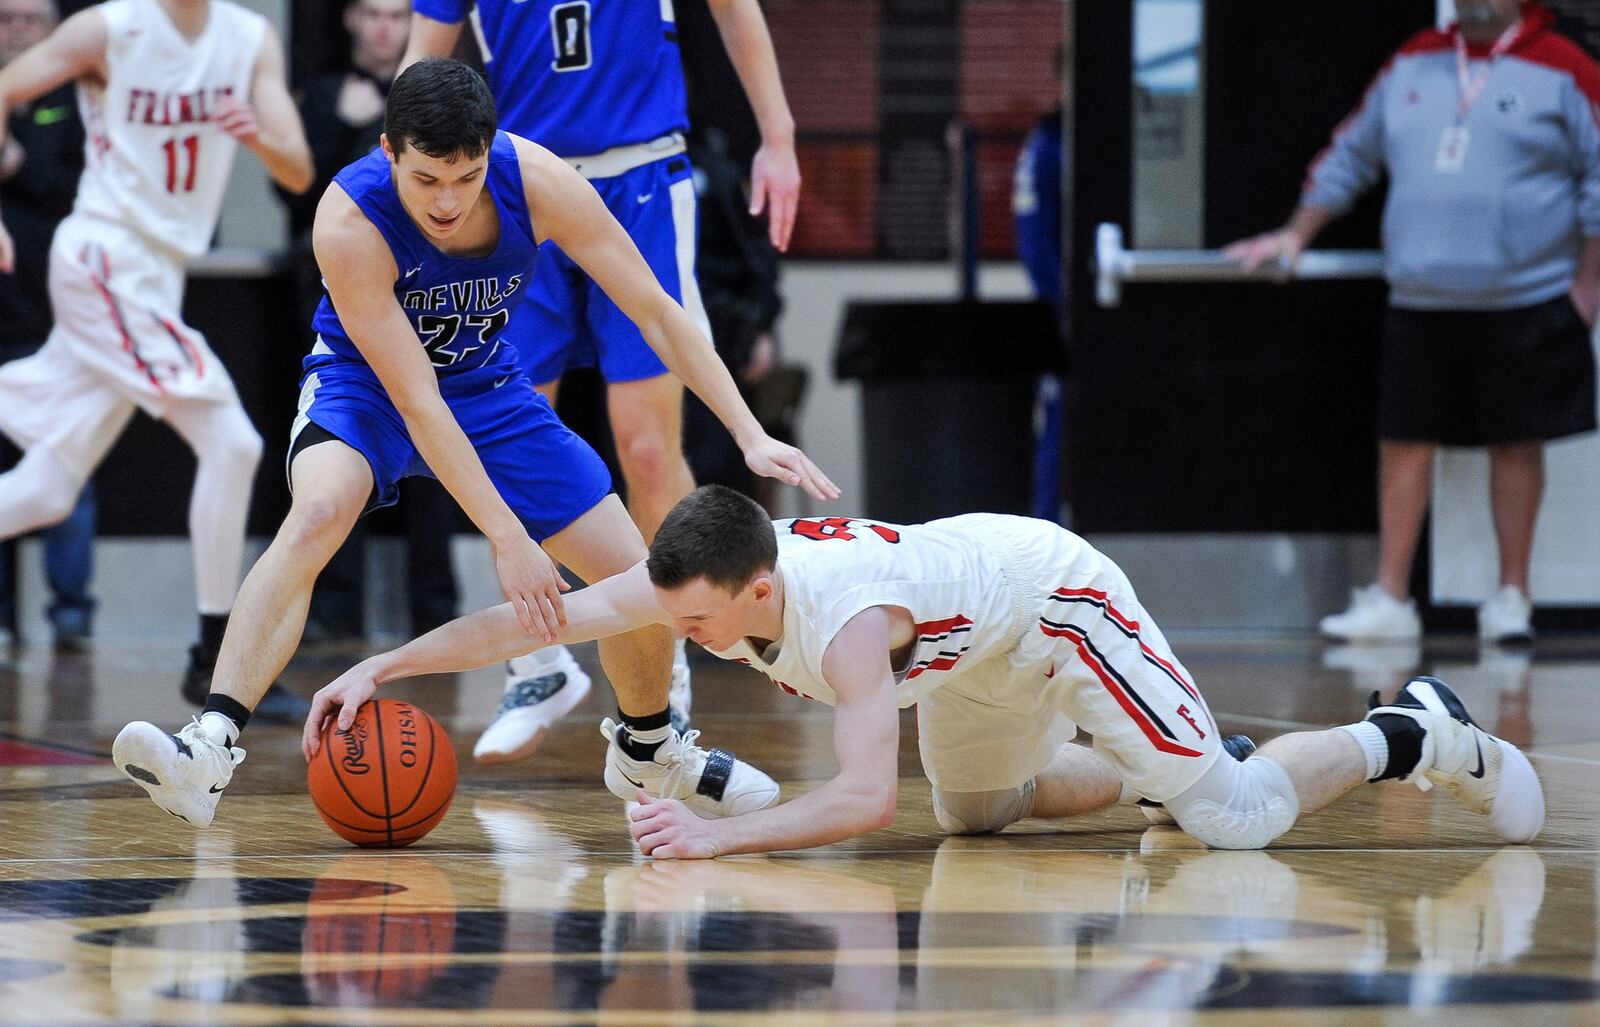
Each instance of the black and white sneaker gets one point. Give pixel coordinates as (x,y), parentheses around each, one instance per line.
(184,773)
(1487,775)
(527,710)
(713,783)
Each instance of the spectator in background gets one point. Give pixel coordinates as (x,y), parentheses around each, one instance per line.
(343,113)
(39,169)
(1490,134)
(343,109)
(1036,204)
(737,267)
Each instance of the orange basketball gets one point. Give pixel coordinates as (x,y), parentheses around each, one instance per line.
(388,780)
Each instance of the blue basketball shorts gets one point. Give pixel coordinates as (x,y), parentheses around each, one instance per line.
(568,321)
(546,474)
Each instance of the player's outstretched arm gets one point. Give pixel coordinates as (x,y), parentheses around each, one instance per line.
(76,49)
(269,125)
(359,271)
(860,798)
(567,211)
(618,604)
(775,172)
(433,34)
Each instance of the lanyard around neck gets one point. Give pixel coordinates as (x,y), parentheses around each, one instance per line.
(1472,85)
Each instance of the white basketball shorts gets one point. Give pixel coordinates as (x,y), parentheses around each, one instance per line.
(1093,659)
(119,341)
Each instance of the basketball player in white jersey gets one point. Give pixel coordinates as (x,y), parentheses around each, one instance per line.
(168,90)
(1008,634)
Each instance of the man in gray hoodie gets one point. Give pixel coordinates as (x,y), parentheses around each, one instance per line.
(1490,134)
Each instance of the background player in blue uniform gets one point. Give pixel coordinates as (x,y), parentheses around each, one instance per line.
(425,245)
(601,84)
(1036,202)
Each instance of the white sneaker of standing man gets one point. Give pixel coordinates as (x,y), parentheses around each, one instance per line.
(1506,618)
(1374,616)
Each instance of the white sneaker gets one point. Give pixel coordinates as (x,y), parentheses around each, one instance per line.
(533,701)
(678,698)
(1487,775)
(714,783)
(1506,618)
(184,773)
(1374,616)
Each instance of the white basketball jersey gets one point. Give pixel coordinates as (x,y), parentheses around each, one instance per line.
(951,580)
(155,158)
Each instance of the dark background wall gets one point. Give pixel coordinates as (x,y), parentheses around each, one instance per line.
(1215,407)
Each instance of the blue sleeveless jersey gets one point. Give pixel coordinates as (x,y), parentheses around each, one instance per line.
(579,76)
(459,306)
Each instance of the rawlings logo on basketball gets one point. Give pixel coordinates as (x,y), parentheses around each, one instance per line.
(354,760)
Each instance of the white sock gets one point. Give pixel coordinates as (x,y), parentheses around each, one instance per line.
(1374,746)
(219,727)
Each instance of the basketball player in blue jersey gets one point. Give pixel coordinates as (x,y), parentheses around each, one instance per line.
(601,85)
(426,247)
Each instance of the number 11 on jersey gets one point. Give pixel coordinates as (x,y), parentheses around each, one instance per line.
(190,157)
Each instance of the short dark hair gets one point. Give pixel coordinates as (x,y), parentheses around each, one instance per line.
(713,533)
(443,108)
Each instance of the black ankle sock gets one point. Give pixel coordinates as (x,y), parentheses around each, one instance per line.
(639,725)
(1404,736)
(229,707)
(212,628)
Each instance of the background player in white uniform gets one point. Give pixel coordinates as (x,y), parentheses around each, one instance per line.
(168,90)
(1007,633)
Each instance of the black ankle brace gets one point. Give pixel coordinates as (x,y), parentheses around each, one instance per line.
(637,725)
(1404,737)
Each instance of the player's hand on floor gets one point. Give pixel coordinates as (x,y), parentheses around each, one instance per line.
(773,459)
(666,829)
(341,697)
(533,586)
(775,187)
(7,251)
(238,119)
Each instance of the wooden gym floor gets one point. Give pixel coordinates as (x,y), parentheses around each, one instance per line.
(530,905)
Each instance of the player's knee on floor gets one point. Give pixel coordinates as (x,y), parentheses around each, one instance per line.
(1238,805)
(982,812)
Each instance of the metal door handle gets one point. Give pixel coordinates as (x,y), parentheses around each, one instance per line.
(1115,265)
